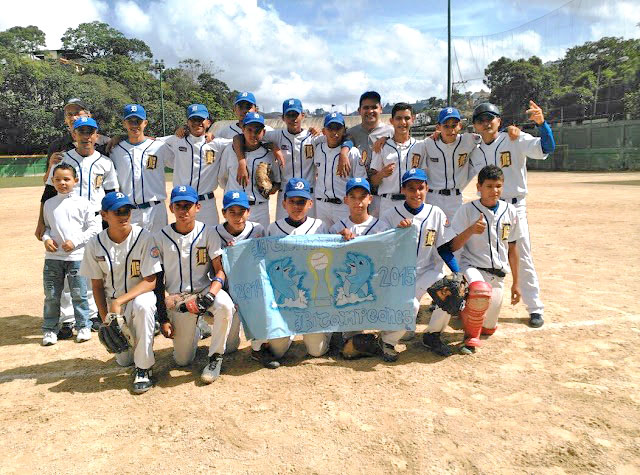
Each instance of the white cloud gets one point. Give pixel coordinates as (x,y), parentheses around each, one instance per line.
(132,19)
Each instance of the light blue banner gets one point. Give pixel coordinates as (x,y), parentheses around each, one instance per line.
(320,283)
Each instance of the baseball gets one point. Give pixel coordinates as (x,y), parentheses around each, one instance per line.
(319,261)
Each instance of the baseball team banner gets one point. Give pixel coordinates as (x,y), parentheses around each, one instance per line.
(320,283)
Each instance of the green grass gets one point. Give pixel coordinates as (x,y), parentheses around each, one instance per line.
(21,181)
(625,182)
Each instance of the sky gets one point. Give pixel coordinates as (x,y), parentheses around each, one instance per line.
(330,52)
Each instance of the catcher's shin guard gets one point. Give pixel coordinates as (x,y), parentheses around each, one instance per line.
(473,313)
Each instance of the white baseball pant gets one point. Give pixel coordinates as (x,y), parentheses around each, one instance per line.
(259,213)
(153,219)
(330,213)
(140,317)
(208,213)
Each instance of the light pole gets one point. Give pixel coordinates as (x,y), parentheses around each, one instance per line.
(159,66)
(449,54)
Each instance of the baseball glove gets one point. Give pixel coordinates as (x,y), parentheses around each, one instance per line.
(114,334)
(263,179)
(196,304)
(449,293)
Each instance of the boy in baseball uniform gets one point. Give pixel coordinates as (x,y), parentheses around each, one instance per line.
(122,262)
(389,165)
(244,103)
(488,230)
(69,223)
(297,202)
(190,252)
(255,153)
(139,162)
(511,157)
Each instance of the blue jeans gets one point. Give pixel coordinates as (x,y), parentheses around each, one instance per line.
(53,277)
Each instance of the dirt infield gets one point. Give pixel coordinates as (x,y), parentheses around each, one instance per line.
(561,399)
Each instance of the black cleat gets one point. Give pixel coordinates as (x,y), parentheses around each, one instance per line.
(265,357)
(536,320)
(389,353)
(142,380)
(65,332)
(433,342)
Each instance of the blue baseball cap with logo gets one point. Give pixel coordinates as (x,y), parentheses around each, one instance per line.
(253,118)
(235,198)
(333,118)
(358,183)
(414,174)
(85,122)
(297,187)
(245,96)
(184,193)
(292,105)
(115,200)
(197,110)
(448,113)
(134,110)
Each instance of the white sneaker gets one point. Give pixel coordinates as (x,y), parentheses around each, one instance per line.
(84,334)
(142,380)
(49,338)
(211,372)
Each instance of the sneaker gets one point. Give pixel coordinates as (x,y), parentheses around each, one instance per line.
(264,356)
(95,324)
(433,342)
(408,335)
(467,350)
(142,380)
(65,332)
(84,334)
(49,338)
(389,353)
(205,329)
(536,320)
(211,372)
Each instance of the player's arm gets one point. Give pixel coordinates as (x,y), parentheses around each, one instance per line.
(344,163)
(97,285)
(243,172)
(147,284)
(49,244)
(478,227)
(379,171)
(513,263)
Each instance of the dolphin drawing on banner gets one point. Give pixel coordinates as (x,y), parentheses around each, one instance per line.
(287,284)
(354,280)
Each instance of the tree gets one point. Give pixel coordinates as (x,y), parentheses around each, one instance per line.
(23,39)
(96,39)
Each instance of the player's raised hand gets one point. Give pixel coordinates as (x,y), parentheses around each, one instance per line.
(56,157)
(387,170)
(314,132)
(514,132)
(50,245)
(346,234)
(405,223)
(479,226)
(378,144)
(535,113)
(515,294)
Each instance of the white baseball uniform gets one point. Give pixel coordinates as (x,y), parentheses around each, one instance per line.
(259,205)
(433,232)
(196,163)
(317,344)
(485,254)
(511,156)
(121,266)
(251,230)
(140,170)
(400,155)
(186,259)
(231,130)
(329,187)
(448,169)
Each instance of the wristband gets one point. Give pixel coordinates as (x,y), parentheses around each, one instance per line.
(218,279)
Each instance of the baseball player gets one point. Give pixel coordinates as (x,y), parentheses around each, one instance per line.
(196,162)
(69,223)
(122,263)
(433,232)
(139,162)
(255,153)
(297,202)
(488,230)
(389,165)
(364,135)
(330,187)
(244,103)
(511,156)
(190,253)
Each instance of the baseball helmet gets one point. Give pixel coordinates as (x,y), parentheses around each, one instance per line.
(485,108)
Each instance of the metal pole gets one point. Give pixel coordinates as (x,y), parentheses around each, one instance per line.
(449,52)
(164,128)
(595,96)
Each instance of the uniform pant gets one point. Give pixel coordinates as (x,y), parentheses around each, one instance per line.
(449,204)
(386,204)
(140,316)
(317,344)
(331,213)
(374,207)
(153,219)
(259,213)
(527,276)
(208,213)
(187,333)
(497,283)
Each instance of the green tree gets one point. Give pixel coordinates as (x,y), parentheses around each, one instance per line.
(96,39)
(21,39)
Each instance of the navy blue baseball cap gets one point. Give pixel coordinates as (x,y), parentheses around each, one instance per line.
(358,183)
(414,174)
(448,113)
(297,187)
(85,121)
(245,96)
(292,105)
(74,101)
(235,198)
(184,193)
(197,110)
(333,118)
(134,110)
(253,118)
(115,200)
